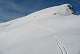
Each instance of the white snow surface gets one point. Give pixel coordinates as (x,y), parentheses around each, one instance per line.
(53,30)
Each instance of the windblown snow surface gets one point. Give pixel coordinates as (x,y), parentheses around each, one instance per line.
(53,30)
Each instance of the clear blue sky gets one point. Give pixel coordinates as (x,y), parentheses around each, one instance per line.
(11,9)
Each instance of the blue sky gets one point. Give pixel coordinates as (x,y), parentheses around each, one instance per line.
(11,9)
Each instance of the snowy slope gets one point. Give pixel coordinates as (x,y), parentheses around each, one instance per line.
(54,30)
(62,10)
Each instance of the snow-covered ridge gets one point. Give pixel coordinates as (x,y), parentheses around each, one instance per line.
(62,10)
(53,30)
